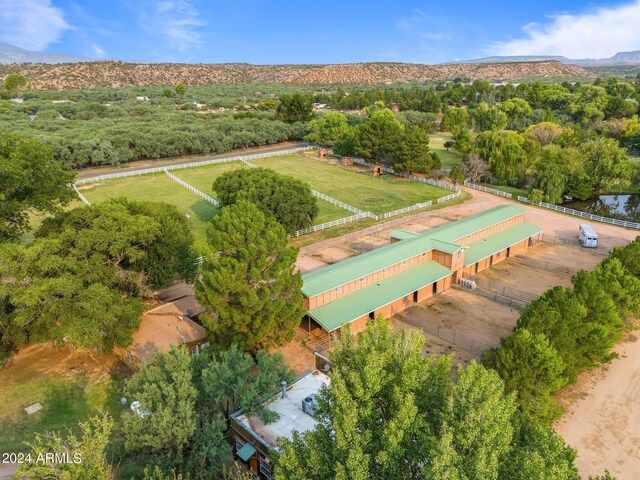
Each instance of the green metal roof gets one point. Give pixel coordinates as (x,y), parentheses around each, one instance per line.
(246,451)
(344,310)
(402,234)
(500,240)
(327,278)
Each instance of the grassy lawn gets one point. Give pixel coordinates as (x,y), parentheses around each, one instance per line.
(368,193)
(70,386)
(158,188)
(203,177)
(449,158)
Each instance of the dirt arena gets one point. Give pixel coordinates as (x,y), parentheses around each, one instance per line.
(478,318)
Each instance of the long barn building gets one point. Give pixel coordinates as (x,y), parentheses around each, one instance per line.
(413,267)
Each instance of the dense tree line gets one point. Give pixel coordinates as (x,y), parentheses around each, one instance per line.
(390,412)
(83,280)
(568,330)
(84,134)
(381,137)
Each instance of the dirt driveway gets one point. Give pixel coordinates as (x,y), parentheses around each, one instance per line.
(602,417)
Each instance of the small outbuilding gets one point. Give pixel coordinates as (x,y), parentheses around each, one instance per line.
(163,327)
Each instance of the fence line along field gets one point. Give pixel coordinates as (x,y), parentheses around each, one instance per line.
(366,192)
(158,188)
(362,191)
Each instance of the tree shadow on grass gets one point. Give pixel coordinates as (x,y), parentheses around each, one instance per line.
(204,210)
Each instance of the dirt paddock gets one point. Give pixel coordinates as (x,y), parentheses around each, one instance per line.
(541,267)
(602,417)
(477,318)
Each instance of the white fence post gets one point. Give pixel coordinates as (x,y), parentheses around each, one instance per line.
(192,188)
(82,197)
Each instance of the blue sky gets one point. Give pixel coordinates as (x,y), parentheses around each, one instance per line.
(328,31)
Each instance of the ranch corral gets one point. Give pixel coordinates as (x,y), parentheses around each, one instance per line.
(544,266)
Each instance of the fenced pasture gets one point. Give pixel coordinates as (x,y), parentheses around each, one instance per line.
(203,177)
(157,188)
(378,194)
(344,195)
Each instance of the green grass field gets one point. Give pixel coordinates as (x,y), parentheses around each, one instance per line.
(158,188)
(70,387)
(368,193)
(448,158)
(203,177)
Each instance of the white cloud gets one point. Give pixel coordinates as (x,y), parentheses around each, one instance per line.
(31,24)
(98,51)
(599,33)
(177,20)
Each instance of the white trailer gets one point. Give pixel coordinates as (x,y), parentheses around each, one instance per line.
(588,236)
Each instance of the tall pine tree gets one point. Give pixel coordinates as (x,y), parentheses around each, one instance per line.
(248,286)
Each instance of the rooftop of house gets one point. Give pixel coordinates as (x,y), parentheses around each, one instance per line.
(162,327)
(441,238)
(291,417)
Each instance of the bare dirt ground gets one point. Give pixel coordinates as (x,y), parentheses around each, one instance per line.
(541,267)
(555,224)
(602,417)
(44,358)
(437,346)
(298,357)
(476,317)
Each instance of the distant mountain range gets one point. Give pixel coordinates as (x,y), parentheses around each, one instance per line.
(620,58)
(126,74)
(11,54)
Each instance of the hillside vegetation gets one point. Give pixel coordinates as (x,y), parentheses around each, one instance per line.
(120,74)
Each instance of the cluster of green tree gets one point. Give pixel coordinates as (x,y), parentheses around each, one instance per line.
(381,137)
(83,279)
(390,412)
(88,133)
(249,288)
(568,330)
(14,85)
(179,429)
(550,159)
(284,198)
(31,181)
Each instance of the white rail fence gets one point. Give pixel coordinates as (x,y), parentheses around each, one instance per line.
(192,188)
(82,197)
(333,223)
(428,181)
(200,163)
(248,163)
(488,190)
(359,214)
(337,202)
(578,213)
